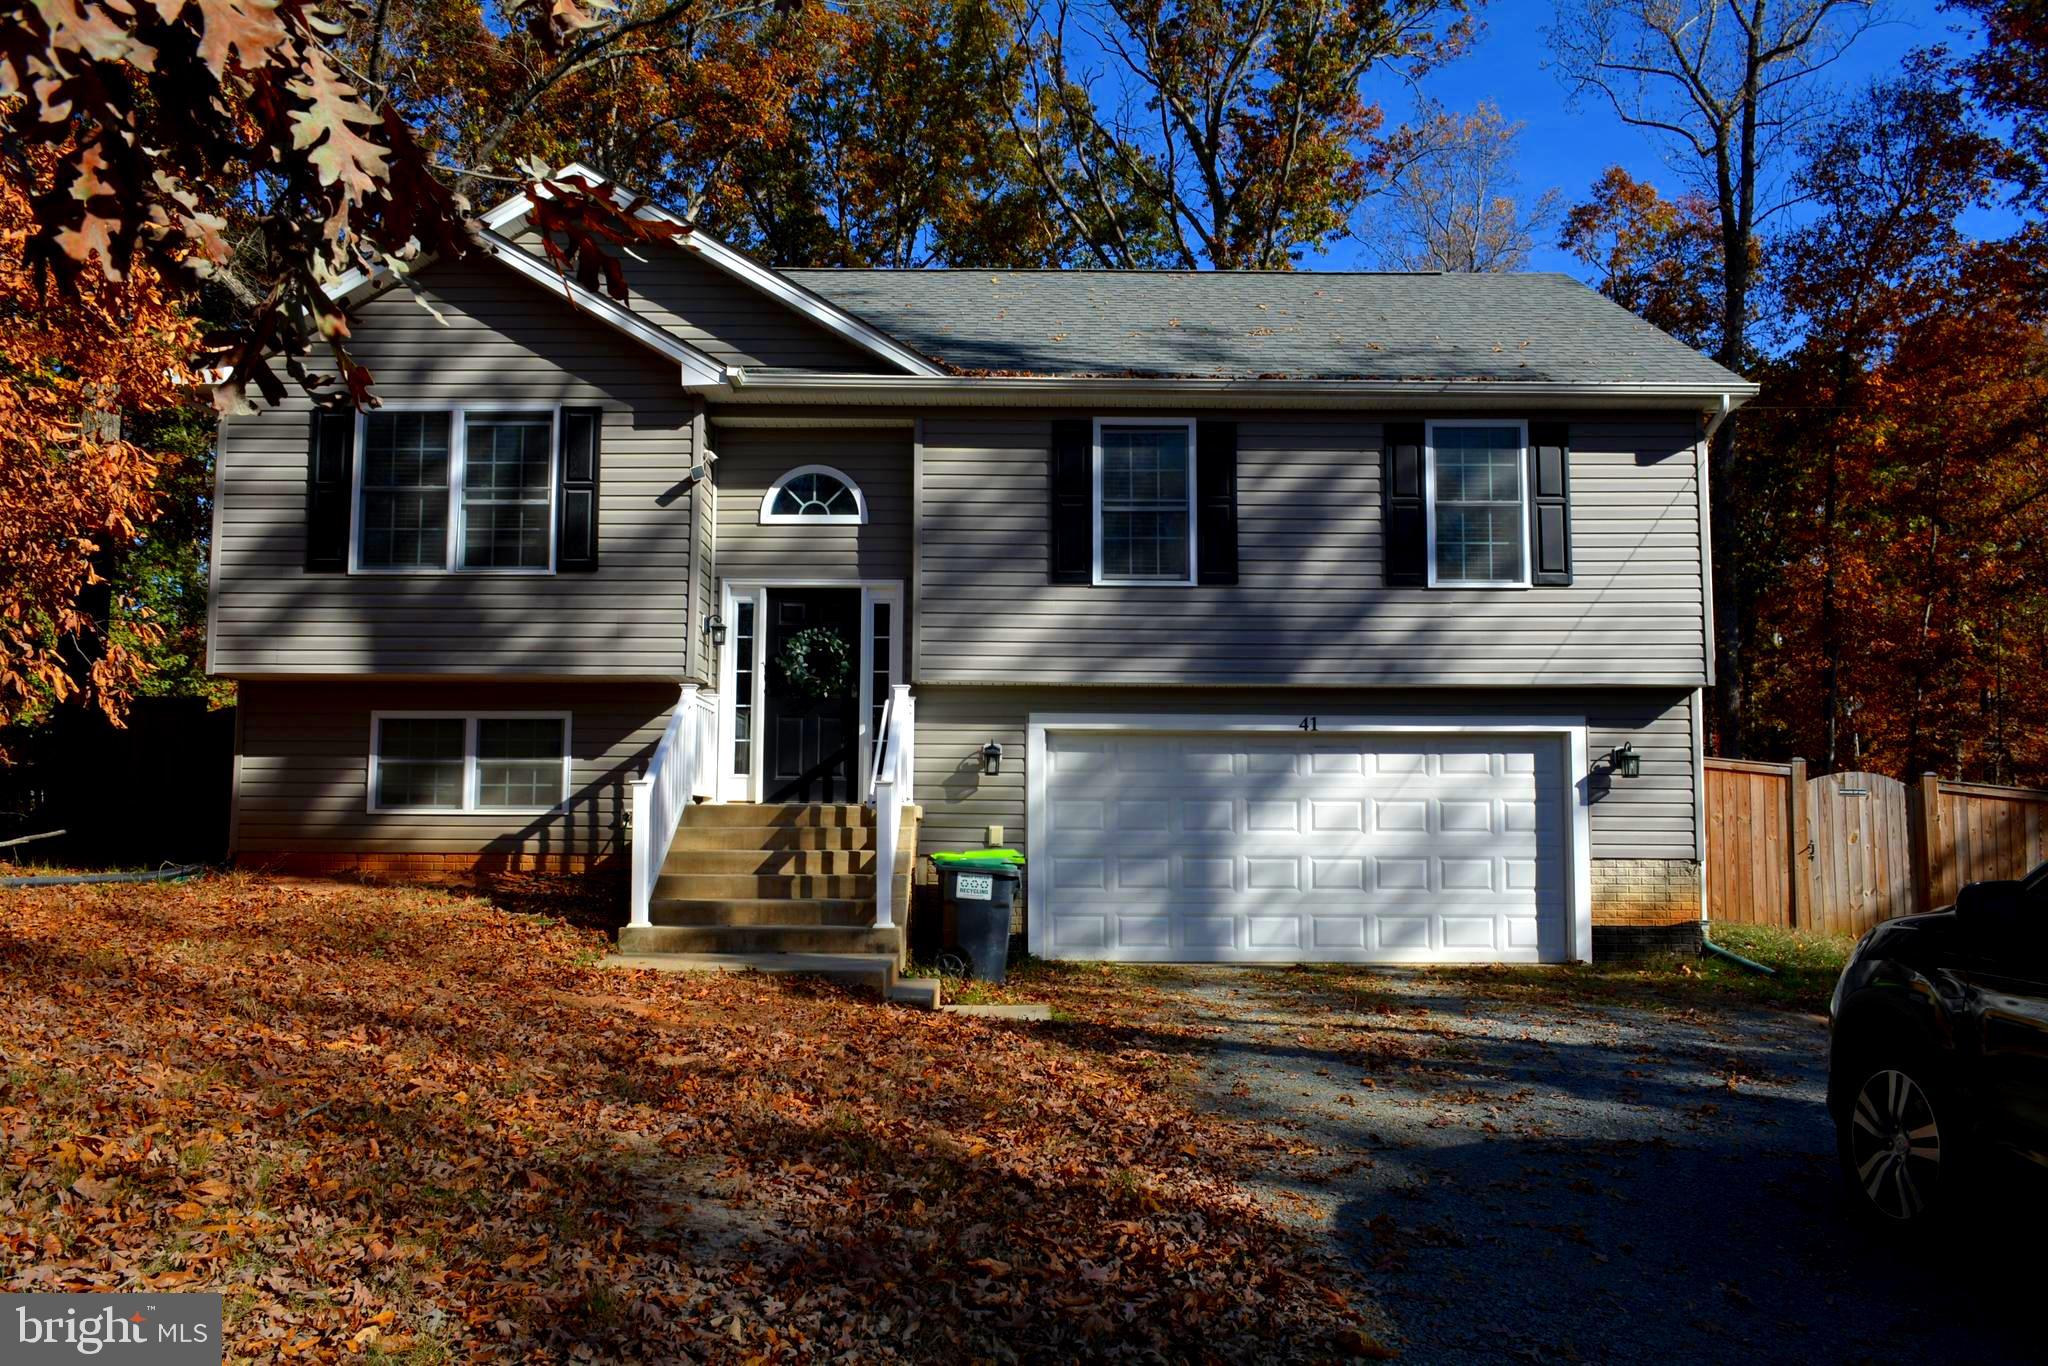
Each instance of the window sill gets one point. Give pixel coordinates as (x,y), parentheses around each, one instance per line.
(1485,586)
(1144,583)
(468,810)
(451,573)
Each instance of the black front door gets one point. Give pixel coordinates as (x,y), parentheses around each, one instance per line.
(813,694)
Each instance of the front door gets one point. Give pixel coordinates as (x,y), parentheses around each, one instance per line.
(812,695)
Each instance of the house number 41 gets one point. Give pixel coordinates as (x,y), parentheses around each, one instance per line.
(1309,723)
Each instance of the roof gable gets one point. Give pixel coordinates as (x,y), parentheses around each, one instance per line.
(1306,325)
(510,219)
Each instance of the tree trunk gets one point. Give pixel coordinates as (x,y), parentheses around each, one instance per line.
(1831,623)
(1728,630)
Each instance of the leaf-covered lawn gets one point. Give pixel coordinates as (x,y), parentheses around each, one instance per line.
(395,1124)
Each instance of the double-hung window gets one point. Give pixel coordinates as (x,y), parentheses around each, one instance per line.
(1478,504)
(488,762)
(1145,502)
(456,489)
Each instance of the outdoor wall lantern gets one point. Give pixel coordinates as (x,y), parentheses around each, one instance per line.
(991,758)
(714,627)
(1626,762)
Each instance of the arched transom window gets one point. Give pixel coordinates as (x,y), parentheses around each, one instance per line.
(814,493)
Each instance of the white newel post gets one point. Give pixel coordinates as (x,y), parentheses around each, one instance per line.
(893,788)
(906,754)
(885,847)
(643,817)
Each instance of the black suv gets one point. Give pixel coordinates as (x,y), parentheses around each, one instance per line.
(1938,1048)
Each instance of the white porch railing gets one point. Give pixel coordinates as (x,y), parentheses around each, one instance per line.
(890,790)
(680,769)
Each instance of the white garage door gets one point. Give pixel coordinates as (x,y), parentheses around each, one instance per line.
(1209,848)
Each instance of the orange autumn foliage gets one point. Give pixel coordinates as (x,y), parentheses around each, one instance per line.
(72,360)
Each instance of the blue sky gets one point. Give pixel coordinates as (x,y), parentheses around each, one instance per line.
(1568,147)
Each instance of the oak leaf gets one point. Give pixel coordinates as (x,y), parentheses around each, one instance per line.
(339,154)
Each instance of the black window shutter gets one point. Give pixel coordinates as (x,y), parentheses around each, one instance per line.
(1550,504)
(1072,484)
(330,456)
(576,539)
(1216,502)
(1405,527)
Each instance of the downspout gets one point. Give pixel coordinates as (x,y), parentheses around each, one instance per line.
(1720,415)
(1732,956)
(167,873)
(1699,726)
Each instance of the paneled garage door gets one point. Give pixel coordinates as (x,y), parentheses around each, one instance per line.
(1366,848)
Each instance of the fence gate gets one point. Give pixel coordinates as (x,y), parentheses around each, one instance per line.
(1750,829)
(1860,850)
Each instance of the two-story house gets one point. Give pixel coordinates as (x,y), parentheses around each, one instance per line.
(1274,616)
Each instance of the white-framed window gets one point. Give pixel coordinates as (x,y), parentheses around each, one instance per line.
(469,761)
(1145,500)
(814,495)
(1475,485)
(457,489)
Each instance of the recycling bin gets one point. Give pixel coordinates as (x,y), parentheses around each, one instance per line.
(979,889)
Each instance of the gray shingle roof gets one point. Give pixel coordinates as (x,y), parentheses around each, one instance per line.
(1306,325)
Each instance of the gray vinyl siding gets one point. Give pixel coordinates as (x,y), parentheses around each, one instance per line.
(304,768)
(1311,606)
(1651,817)
(703,573)
(751,459)
(506,340)
(735,323)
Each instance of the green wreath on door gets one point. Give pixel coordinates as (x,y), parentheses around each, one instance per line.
(816,663)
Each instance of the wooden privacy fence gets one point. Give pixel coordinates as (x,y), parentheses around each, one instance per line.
(1839,853)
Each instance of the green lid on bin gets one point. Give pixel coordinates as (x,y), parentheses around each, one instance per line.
(977,858)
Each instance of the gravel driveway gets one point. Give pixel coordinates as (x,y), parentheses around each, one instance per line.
(1517,1175)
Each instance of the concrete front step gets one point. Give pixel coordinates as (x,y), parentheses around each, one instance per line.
(759,938)
(757,838)
(714,886)
(777,862)
(874,972)
(815,815)
(762,911)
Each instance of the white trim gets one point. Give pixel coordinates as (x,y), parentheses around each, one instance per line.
(1569,730)
(733,786)
(1082,390)
(1521,497)
(511,214)
(1095,502)
(698,368)
(458,452)
(772,518)
(469,806)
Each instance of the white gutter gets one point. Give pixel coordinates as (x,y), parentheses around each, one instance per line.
(784,387)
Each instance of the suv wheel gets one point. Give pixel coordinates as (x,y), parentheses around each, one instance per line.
(1891,1145)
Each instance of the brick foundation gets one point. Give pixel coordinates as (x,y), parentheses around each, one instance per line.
(1645,908)
(431,867)
(1645,891)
